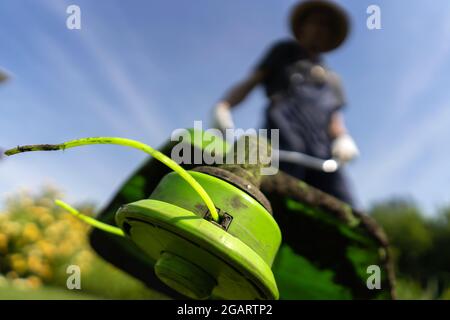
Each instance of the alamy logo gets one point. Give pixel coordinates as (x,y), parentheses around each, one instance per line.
(73,21)
(374,280)
(374,19)
(74,279)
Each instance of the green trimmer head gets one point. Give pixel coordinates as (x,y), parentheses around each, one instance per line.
(209,230)
(199,258)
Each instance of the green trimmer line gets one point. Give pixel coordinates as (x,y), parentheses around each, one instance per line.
(209,230)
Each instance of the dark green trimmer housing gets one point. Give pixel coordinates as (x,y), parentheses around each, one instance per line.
(196,256)
(325,251)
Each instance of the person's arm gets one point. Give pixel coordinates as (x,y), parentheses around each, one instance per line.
(265,67)
(343,147)
(222,111)
(240,91)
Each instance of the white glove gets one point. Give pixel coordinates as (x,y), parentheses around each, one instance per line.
(222,118)
(344,148)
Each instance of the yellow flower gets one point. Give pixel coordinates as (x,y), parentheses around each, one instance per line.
(12,228)
(39,267)
(45,272)
(47,248)
(42,214)
(34,263)
(18,263)
(31,232)
(66,248)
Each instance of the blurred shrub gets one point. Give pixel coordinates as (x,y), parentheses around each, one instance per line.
(38,241)
(407,230)
(420,247)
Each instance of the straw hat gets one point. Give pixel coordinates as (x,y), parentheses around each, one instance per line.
(339,20)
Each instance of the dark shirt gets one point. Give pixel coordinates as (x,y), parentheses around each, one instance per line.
(303,109)
(276,64)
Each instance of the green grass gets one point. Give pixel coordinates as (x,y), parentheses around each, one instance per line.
(103,282)
(44,293)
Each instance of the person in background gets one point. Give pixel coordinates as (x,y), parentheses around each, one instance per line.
(305,96)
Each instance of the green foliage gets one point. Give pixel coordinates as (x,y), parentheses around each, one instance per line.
(420,247)
(408,289)
(407,230)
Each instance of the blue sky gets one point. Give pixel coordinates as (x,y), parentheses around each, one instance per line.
(141,68)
